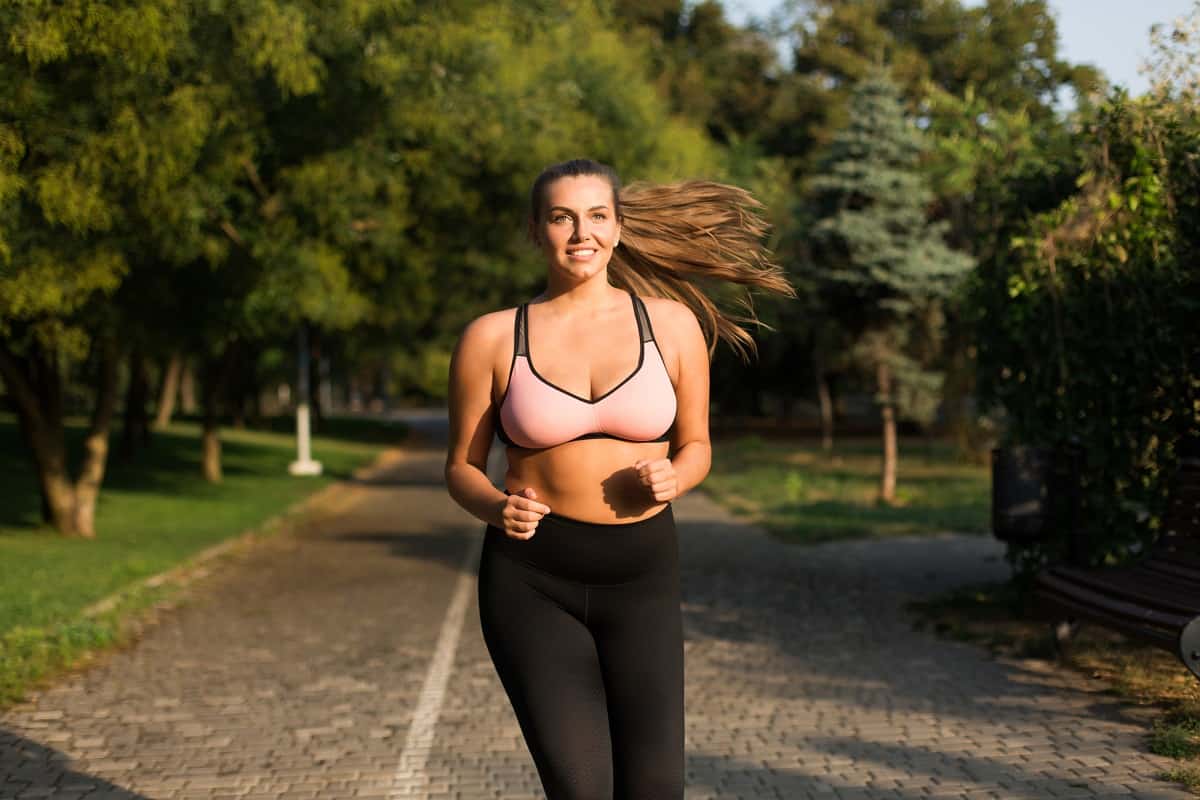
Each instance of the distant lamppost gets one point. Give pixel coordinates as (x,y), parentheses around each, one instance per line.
(304,464)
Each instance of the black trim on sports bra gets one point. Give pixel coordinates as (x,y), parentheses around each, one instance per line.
(521,348)
(641,357)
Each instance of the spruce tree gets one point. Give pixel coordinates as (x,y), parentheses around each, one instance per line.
(880,266)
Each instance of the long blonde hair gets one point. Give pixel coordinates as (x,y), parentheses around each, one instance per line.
(676,237)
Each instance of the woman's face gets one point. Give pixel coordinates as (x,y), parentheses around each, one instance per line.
(578,228)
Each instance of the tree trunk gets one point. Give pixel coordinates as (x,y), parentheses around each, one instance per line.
(887,485)
(356,393)
(135,432)
(385,386)
(91,474)
(210,451)
(168,391)
(187,389)
(27,435)
(325,388)
(36,388)
(825,400)
(316,410)
(217,373)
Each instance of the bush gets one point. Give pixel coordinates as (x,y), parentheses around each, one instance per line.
(1087,330)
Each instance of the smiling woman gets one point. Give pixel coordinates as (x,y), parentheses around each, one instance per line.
(579,577)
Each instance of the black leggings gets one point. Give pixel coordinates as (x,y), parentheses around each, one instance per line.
(583,624)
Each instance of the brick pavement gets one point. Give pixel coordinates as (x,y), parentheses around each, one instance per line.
(294,672)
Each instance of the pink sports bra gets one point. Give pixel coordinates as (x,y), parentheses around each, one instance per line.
(536,414)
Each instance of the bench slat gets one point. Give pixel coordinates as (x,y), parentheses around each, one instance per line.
(1067,606)
(1173,556)
(1166,593)
(1173,569)
(1157,599)
(1114,606)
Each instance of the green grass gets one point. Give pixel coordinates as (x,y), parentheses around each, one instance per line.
(1176,738)
(800,494)
(154,512)
(1188,776)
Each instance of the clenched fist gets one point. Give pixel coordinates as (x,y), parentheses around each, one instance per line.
(521,513)
(658,476)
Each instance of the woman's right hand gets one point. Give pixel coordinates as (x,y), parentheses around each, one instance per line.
(521,514)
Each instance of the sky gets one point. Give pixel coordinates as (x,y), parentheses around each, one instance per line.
(1114,35)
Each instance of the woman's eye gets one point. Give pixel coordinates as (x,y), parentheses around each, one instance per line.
(599,217)
(559,218)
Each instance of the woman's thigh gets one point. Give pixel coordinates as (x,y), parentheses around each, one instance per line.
(547,662)
(638,631)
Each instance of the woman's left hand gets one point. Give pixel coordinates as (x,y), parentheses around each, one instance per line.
(659,477)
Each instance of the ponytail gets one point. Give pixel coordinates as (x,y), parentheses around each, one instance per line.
(674,236)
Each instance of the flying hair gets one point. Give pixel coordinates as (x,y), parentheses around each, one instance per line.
(687,241)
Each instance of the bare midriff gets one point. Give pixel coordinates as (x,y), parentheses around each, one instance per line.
(588,479)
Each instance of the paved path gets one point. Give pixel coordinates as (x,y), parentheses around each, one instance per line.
(345,660)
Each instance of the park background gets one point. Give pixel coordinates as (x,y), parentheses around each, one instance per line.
(992,245)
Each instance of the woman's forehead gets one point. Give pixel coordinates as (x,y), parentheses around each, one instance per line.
(579,191)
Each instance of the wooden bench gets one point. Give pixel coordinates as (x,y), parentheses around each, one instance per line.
(1156,600)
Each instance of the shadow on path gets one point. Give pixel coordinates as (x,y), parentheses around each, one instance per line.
(25,764)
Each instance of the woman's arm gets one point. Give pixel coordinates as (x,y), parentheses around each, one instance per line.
(690,443)
(470,412)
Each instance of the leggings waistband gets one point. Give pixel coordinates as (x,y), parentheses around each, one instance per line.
(595,552)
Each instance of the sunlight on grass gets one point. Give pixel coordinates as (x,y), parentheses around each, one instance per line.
(155,511)
(801,494)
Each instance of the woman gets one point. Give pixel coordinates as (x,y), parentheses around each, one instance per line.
(599,389)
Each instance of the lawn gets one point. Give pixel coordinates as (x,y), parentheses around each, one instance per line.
(154,512)
(801,494)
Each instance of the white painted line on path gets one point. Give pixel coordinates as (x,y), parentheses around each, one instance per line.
(410,779)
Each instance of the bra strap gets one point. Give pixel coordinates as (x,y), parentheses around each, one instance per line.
(643,319)
(521,331)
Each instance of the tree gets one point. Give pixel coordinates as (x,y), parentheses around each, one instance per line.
(83,103)
(201,178)
(1174,65)
(1087,335)
(881,267)
(1006,49)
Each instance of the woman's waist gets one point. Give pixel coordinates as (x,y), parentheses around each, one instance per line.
(610,505)
(593,552)
(591,489)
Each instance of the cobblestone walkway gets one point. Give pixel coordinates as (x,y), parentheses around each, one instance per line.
(325,664)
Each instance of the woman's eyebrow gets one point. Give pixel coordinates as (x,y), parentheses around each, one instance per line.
(571,211)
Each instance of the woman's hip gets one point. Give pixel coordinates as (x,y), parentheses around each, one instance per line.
(593,553)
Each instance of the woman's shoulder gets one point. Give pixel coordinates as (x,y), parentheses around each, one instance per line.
(668,314)
(489,330)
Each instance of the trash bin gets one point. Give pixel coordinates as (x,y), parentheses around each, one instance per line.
(1035,491)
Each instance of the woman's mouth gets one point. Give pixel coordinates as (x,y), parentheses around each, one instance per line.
(581,254)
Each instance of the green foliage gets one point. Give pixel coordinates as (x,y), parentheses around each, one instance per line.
(882,266)
(1007,50)
(1176,739)
(206,175)
(1087,332)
